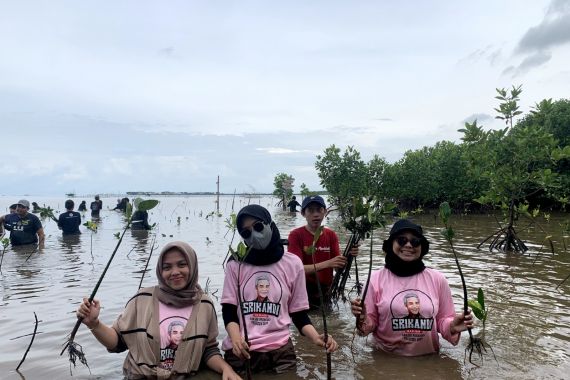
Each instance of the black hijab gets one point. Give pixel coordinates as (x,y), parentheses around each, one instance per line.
(274,251)
(396,265)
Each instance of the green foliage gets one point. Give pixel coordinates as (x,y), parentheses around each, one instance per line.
(305,192)
(444,214)
(478,306)
(514,162)
(92,226)
(117,235)
(311,250)
(231,222)
(148,204)
(344,176)
(508,108)
(283,184)
(5,242)
(47,212)
(366,215)
(240,253)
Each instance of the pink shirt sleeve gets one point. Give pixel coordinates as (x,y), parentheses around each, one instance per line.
(230,292)
(298,300)
(446,313)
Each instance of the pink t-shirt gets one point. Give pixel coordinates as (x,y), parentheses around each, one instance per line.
(269,293)
(172,324)
(408,312)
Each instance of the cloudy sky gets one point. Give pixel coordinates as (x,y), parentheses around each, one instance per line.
(114,96)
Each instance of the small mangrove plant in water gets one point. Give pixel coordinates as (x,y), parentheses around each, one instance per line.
(239,254)
(74,350)
(311,251)
(5,243)
(360,219)
(476,344)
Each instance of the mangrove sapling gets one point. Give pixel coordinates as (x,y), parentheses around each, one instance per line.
(74,349)
(360,320)
(239,254)
(476,344)
(311,251)
(5,242)
(31,341)
(363,217)
(47,212)
(92,227)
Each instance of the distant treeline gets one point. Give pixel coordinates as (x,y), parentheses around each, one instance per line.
(527,163)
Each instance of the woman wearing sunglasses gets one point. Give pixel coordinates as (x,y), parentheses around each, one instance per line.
(407,304)
(265,292)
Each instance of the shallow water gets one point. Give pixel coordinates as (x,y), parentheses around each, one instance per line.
(528,326)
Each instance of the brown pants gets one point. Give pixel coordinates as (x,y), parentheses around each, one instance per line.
(279,360)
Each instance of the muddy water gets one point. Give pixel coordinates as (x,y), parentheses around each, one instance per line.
(528,326)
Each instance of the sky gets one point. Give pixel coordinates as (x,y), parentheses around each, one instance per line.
(112,96)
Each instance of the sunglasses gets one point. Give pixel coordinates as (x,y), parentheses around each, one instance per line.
(257,226)
(402,241)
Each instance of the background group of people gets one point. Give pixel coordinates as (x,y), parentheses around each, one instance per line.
(26,228)
(266,291)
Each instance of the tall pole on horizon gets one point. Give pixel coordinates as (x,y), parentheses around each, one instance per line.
(218,196)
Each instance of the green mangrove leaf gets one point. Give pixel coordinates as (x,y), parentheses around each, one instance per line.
(117,235)
(148,204)
(481,298)
(129,210)
(444,212)
(5,242)
(91,225)
(477,310)
(316,236)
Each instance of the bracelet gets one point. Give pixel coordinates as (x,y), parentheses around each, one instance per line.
(97,325)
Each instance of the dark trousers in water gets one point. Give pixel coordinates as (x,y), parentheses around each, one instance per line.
(279,360)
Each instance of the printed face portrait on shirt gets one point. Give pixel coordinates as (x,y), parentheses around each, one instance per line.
(175,330)
(262,286)
(412,303)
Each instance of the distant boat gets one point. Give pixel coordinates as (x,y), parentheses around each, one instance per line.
(71,195)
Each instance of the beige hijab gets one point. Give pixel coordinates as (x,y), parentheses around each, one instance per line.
(192,292)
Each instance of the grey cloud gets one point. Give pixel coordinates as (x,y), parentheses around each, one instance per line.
(537,59)
(488,53)
(480,117)
(538,42)
(547,34)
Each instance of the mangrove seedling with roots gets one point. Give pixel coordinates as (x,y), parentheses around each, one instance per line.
(476,344)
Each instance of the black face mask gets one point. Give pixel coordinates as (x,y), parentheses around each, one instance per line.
(403,268)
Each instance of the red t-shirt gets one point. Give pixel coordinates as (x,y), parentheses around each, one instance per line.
(327,247)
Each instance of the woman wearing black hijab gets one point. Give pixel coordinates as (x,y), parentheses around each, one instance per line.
(269,345)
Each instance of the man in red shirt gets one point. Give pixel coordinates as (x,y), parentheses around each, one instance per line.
(327,250)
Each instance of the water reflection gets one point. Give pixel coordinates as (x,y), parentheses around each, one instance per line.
(70,243)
